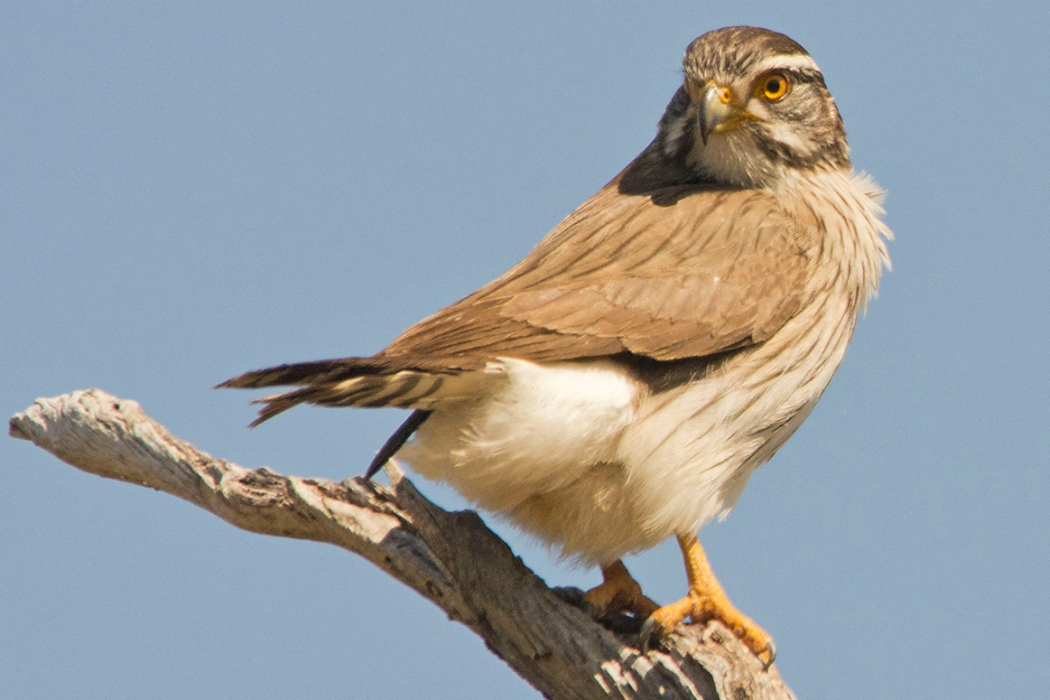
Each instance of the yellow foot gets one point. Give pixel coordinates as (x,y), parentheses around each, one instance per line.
(707,601)
(619,593)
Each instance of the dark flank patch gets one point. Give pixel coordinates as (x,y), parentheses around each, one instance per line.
(662,376)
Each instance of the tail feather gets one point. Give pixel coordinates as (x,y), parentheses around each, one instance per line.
(395,441)
(304,373)
(358,382)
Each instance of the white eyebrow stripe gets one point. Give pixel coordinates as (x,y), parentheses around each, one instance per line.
(796,62)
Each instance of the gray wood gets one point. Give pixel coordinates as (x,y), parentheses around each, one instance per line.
(450,558)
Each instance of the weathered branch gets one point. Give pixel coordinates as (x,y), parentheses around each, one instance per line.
(450,558)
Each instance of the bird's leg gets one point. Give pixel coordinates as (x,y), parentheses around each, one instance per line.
(619,593)
(707,601)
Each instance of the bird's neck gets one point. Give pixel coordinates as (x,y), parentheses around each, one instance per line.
(844,211)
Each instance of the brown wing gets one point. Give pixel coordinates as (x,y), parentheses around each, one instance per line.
(675,273)
(683,272)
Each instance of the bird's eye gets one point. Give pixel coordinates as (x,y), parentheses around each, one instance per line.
(773,86)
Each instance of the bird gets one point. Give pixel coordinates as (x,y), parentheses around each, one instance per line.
(620,384)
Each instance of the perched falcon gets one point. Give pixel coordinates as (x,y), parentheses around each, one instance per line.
(621,383)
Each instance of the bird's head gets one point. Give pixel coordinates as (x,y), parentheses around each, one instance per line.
(753,108)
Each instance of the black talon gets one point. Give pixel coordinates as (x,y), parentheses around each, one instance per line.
(649,628)
(772,649)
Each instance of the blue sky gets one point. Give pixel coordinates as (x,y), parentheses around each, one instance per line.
(190,191)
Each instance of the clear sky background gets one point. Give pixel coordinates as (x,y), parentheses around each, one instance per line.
(190,191)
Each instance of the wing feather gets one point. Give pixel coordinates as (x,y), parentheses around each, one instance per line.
(667,278)
(668,275)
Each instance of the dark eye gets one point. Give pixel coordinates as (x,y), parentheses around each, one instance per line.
(773,86)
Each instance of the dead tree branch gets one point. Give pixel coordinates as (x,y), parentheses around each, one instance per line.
(450,558)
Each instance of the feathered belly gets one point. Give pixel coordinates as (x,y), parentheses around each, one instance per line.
(588,458)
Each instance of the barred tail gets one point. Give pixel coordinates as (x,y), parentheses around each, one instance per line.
(356,382)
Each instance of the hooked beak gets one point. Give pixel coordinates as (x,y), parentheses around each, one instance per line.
(717,112)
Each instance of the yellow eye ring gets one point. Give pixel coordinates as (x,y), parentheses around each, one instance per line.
(773,87)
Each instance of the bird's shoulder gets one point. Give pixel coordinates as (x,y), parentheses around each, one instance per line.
(674,272)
